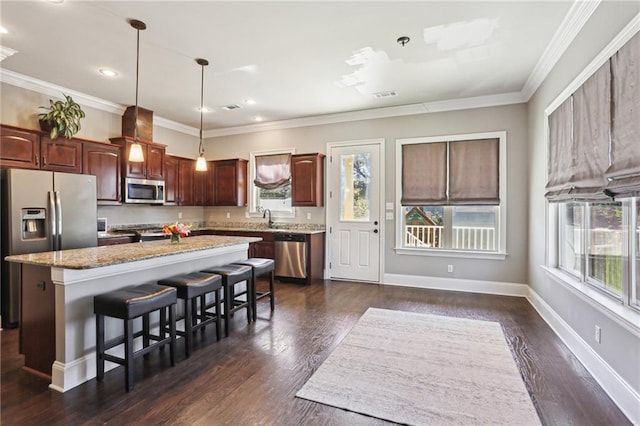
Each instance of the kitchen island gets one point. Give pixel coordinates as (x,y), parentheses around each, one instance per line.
(67,280)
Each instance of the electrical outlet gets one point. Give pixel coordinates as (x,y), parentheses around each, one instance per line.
(598,334)
(179,215)
(449,268)
(228,215)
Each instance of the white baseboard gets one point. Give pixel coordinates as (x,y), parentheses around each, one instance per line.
(457,284)
(622,394)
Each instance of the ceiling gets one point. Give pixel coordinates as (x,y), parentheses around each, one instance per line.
(295,59)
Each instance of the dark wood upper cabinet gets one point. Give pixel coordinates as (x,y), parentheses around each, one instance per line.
(210,186)
(307,180)
(60,155)
(103,161)
(155,162)
(186,169)
(230,182)
(200,185)
(171,180)
(19,148)
(153,165)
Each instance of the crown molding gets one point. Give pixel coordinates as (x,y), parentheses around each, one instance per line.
(174,125)
(46,88)
(575,19)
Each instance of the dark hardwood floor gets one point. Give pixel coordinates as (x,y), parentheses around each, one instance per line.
(251,377)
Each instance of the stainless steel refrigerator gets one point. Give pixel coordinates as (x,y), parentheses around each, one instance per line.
(42,211)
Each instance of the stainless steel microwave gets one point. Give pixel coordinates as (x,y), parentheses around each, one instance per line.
(144,191)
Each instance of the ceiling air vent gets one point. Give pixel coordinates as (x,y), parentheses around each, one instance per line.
(230,107)
(387,94)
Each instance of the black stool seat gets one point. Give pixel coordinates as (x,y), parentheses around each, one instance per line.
(190,287)
(231,275)
(128,304)
(261,266)
(132,302)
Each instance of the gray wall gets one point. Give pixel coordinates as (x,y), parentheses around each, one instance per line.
(512,118)
(619,348)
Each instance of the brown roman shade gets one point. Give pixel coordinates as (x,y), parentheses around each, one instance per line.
(451,173)
(474,172)
(424,174)
(624,171)
(591,128)
(559,155)
(272,171)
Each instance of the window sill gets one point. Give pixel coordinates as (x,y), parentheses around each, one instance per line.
(451,253)
(626,316)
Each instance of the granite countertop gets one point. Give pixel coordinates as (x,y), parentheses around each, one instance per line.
(288,228)
(96,257)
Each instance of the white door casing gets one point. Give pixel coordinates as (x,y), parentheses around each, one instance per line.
(353,211)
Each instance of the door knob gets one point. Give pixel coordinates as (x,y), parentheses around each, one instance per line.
(375,231)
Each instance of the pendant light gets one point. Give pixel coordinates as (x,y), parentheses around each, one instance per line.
(135,151)
(201,163)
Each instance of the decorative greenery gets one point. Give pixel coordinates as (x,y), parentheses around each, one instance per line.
(62,117)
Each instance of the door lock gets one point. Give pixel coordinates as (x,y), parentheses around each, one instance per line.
(375,222)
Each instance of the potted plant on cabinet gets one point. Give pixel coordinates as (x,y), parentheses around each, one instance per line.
(61,118)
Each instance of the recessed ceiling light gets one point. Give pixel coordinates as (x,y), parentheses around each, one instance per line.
(56,1)
(257,118)
(204,109)
(250,102)
(3,30)
(107,72)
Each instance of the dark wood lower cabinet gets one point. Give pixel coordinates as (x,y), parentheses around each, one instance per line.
(117,240)
(37,319)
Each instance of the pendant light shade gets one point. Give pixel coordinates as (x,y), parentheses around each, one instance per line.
(135,152)
(201,162)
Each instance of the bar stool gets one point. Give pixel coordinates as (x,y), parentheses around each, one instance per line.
(260,266)
(232,275)
(128,304)
(190,287)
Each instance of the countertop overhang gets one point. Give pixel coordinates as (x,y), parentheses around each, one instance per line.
(96,257)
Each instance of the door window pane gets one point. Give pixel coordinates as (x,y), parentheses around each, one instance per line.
(605,246)
(354,186)
(571,234)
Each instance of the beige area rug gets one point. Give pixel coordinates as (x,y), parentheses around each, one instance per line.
(423,369)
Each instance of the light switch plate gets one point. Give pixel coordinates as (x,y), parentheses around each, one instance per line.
(389,215)
(388,206)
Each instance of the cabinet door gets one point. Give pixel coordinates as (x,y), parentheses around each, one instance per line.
(19,148)
(230,183)
(170,180)
(307,176)
(155,162)
(186,169)
(61,155)
(37,318)
(199,187)
(210,186)
(103,161)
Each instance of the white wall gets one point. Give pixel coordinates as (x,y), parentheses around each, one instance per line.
(620,348)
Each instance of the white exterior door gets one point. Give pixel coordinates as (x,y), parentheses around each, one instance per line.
(354,212)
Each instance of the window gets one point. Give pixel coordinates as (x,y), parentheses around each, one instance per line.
(593,181)
(451,194)
(271,182)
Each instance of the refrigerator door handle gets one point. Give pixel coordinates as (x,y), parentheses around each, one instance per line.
(53,225)
(59,220)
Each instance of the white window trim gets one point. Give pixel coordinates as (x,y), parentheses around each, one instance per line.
(501,253)
(253,212)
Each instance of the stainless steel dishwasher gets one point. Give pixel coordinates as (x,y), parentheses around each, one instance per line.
(291,256)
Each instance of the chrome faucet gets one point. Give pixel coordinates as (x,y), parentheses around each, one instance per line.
(264,215)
